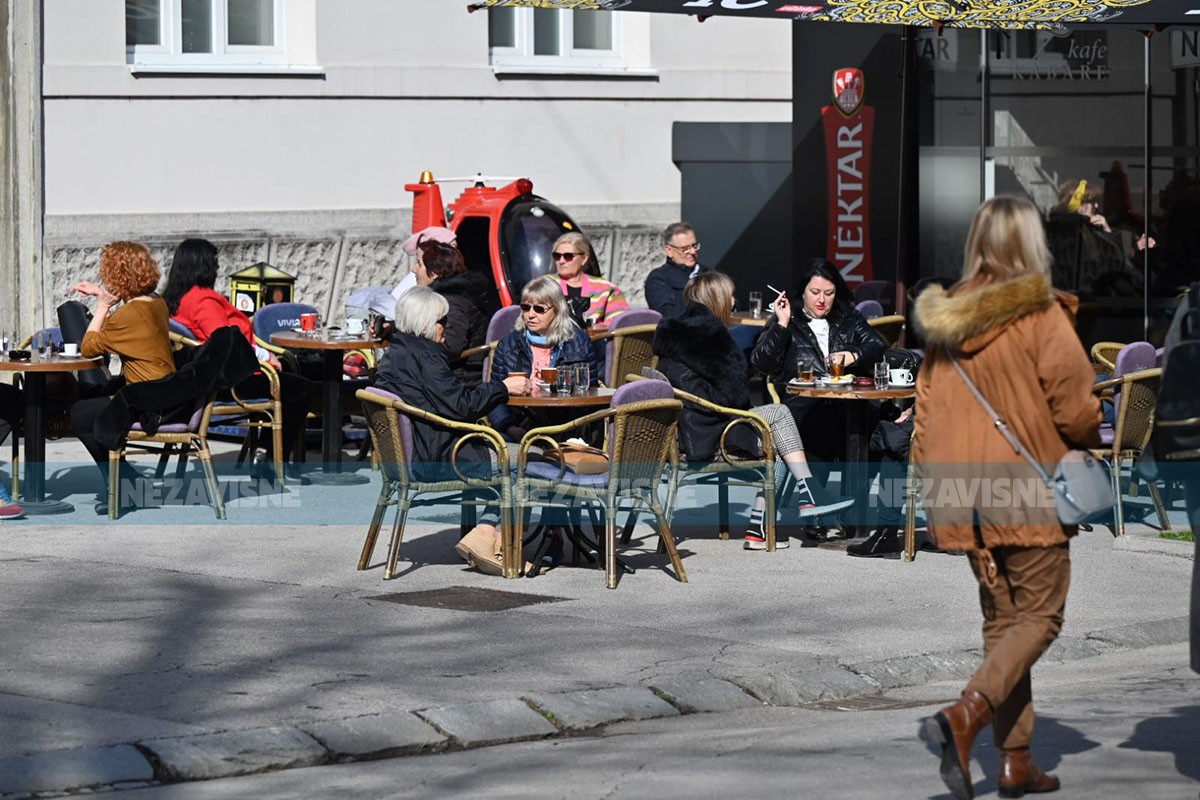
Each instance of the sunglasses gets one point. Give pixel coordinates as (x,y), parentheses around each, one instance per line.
(534,307)
(444,320)
(565,256)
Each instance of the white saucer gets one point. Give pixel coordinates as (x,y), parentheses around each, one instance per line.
(798,382)
(842,381)
(902,385)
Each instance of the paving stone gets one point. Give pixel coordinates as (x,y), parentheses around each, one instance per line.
(593,707)
(65,770)
(220,755)
(819,683)
(376,736)
(891,673)
(494,722)
(705,694)
(1145,634)
(1070,648)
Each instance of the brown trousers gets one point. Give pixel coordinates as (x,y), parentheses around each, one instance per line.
(1022,614)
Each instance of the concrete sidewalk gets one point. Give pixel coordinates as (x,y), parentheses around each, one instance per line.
(170,646)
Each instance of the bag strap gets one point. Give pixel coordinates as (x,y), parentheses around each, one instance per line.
(1008,435)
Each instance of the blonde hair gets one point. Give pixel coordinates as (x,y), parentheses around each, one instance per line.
(545,290)
(578,243)
(1006,241)
(713,290)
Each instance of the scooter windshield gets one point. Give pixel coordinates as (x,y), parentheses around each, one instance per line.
(528,228)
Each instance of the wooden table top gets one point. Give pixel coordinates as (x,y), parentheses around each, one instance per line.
(301,341)
(851,392)
(56,363)
(595,398)
(743,318)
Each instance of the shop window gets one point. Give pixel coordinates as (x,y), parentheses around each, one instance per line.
(550,40)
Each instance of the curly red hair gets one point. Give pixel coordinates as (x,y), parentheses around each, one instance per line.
(128,270)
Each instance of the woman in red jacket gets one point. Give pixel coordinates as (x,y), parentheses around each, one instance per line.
(194,304)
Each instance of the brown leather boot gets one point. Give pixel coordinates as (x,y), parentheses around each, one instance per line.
(954,729)
(1020,776)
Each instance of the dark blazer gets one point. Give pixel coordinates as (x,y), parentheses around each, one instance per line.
(664,288)
(515,354)
(778,348)
(697,354)
(418,370)
(224,360)
(466,325)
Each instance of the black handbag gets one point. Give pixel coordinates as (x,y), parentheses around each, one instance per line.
(1081,485)
(1177,416)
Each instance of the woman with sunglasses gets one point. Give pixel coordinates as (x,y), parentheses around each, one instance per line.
(442,268)
(592,300)
(545,336)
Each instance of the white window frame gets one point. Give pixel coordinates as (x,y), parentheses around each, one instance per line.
(168,56)
(570,60)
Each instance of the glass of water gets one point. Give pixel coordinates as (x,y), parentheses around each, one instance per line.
(583,378)
(756,304)
(563,379)
(881,375)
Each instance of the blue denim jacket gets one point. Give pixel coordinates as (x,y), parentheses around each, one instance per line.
(515,354)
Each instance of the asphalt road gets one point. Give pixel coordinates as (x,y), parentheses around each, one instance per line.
(1121,725)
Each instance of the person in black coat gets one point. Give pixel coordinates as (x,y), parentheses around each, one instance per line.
(827,326)
(442,268)
(417,369)
(698,355)
(665,284)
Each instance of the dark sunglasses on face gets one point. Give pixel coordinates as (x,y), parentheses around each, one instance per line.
(564,256)
(534,307)
(443,320)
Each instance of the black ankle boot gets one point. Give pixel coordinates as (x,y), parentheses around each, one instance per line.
(884,541)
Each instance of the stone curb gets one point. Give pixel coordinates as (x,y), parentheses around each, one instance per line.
(535,716)
(1153,543)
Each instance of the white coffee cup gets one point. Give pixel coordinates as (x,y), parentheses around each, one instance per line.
(70,349)
(356,325)
(900,376)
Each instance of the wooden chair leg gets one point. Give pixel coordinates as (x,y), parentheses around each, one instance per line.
(397,536)
(1118,507)
(722,507)
(1164,521)
(769,511)
(610,545)
(910,516)
(668,540)
(277,448)
(114,483)
(210,481)
(385,494)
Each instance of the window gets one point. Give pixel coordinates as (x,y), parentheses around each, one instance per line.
(551,40)
(205,35)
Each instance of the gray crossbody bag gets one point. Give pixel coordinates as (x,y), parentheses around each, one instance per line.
(1081,485)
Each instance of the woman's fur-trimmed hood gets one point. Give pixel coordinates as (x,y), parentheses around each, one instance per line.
(970,320)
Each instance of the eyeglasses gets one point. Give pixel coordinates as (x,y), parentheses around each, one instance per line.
(565,256)
(534,307)
(694,247)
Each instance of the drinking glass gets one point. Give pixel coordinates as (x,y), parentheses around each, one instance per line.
(756,304)
(881,375)
(804,369)
(583,378)
(834,363)
(563,383)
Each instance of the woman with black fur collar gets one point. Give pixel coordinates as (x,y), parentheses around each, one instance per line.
(698,355)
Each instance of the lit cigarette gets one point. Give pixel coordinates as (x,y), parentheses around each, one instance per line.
(773,289)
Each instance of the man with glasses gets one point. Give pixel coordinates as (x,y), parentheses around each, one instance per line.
(664,285)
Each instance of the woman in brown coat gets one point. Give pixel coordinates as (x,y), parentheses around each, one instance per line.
(1013,335)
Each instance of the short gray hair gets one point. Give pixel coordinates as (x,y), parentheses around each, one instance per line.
(674,229)
(546,290)
(418,311)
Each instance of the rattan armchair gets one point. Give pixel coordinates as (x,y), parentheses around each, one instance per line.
(891,328)
(1105,354)
(389,420)
(641,426)
(628,350)
(1135,395)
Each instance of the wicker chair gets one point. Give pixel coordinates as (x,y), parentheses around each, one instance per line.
(726,467)
(389,419)
(641,426)
(502,323)
(891,328)
(1135,395)
(628,345)
(1105,354)
(188,436)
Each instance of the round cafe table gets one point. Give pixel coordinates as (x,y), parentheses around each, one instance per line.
(859,423)
(332,349)
(33,489)
(596,397)
(745,318)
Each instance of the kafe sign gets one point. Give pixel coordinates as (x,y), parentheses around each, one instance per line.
(848,129)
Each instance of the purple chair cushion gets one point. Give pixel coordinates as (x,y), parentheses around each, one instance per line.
(635,316)
(870,309)
(637,391)
(503,323)
(406,431)
(1158,356)
(1133,357)
(180,328)
(1106,434)
(549,472)
(191,426)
